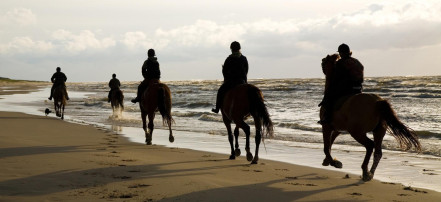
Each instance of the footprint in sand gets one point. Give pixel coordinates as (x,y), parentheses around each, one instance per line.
(139,186)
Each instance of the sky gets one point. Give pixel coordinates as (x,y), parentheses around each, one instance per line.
(92,39)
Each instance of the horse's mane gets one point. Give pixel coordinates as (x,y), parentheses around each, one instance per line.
(329,59)
(327,68)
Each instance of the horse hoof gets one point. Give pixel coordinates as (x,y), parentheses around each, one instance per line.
(367,177)
(232,157)
(337,164)
(148,142)
(249,157)
(326,162)
(237,151)
(171,138)
(253,162)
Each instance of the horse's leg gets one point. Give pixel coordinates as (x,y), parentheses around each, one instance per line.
(62,111)
(227,123)
(148,138)
(369,145)
(246,128)
(378,133)
(236,137)
(151,116)
(171,138)
(329,136)
(257,140)
(55,108)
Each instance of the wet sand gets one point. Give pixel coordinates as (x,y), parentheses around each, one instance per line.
(46,159)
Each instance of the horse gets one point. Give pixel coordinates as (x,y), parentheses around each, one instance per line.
(60,100)
(117,101)
(157,97)
(239,103)
(359,114)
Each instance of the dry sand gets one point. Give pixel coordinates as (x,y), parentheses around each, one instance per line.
(46,159)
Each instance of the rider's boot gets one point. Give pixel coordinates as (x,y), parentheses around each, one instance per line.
(135,100)
(215,110)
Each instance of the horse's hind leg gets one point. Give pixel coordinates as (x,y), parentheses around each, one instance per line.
(171,138)
(151,116)
(257,140)
(148,137)
(246,128)
(379,133)
(62,112)
(227,123)
(236,137)
(369,145)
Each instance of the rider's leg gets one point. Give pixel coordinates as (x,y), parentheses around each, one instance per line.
(219,98)
(52,90)
(141,88)
(108,96)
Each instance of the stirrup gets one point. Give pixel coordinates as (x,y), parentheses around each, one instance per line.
(49,98)
(135,100)
(215,110)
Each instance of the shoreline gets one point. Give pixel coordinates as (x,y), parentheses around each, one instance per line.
(85,163)
(88,163)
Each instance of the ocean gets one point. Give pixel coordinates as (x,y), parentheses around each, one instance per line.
(292,104)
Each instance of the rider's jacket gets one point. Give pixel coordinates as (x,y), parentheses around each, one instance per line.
(235,68)
(150,69)
(114,83)
(58,78)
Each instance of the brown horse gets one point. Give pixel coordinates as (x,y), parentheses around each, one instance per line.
(157,97)
(117,101)
(358,115)
(60,95)
(239,103)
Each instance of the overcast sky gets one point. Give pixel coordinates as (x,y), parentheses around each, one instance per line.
(91,39)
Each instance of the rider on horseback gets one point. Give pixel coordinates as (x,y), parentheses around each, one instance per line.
(58,79)
(234,70)
(114,84)
(150,70)
(346,79)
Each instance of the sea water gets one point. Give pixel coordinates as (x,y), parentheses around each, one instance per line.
(292,104)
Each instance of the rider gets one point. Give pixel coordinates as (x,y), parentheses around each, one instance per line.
(346,79)
(234,70)
(114,84)
(58,78)
(150,70)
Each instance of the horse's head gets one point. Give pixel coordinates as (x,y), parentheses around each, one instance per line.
(328,63)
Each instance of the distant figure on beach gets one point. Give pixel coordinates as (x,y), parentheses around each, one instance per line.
(58,79)
(346,80)
(114,84)
(150,70)
(116,97)
(234,70)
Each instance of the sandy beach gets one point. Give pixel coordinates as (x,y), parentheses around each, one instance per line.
(46,159)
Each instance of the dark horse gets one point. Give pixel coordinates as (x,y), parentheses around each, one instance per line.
(157,97)
(60,95)
(358,115)
(239,103)
(117,101)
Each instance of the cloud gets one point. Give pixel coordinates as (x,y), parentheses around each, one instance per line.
(18,16)
(139,40)
(22,45)
(85,40)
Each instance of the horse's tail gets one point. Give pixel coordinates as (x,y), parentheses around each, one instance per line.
(164,105)
(405,136)
(258,108)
